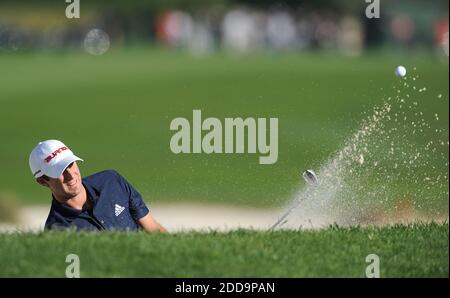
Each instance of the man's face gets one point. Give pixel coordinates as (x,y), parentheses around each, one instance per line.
(66,186)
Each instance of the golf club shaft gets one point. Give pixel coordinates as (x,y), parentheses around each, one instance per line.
(311,178)
(280,220)
(285,215)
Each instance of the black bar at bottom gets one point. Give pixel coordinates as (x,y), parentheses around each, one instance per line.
(213,287)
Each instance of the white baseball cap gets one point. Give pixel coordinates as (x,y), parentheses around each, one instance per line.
(51,158)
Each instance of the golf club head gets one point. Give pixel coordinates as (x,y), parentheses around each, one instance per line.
(310,177)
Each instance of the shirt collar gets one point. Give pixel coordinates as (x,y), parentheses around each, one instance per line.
(91,191)
(65,210)
(68,211)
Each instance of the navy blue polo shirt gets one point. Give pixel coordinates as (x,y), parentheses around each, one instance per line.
(116,206)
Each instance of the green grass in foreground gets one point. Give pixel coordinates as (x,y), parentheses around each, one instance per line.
(419,250)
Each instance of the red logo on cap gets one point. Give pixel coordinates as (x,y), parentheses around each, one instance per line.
(56,152)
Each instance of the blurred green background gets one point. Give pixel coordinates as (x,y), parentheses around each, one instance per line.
(114,109)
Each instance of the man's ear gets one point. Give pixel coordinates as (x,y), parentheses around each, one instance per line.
(42,181)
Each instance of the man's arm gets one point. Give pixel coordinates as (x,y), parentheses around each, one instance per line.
(149,224)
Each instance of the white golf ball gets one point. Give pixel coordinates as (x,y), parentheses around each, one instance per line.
(96,42)
(400,71)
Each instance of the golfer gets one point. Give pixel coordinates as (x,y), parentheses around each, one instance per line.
(102,201)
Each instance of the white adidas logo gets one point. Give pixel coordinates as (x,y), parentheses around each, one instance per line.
(118,209)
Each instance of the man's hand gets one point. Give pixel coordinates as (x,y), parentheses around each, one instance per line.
(149,224)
